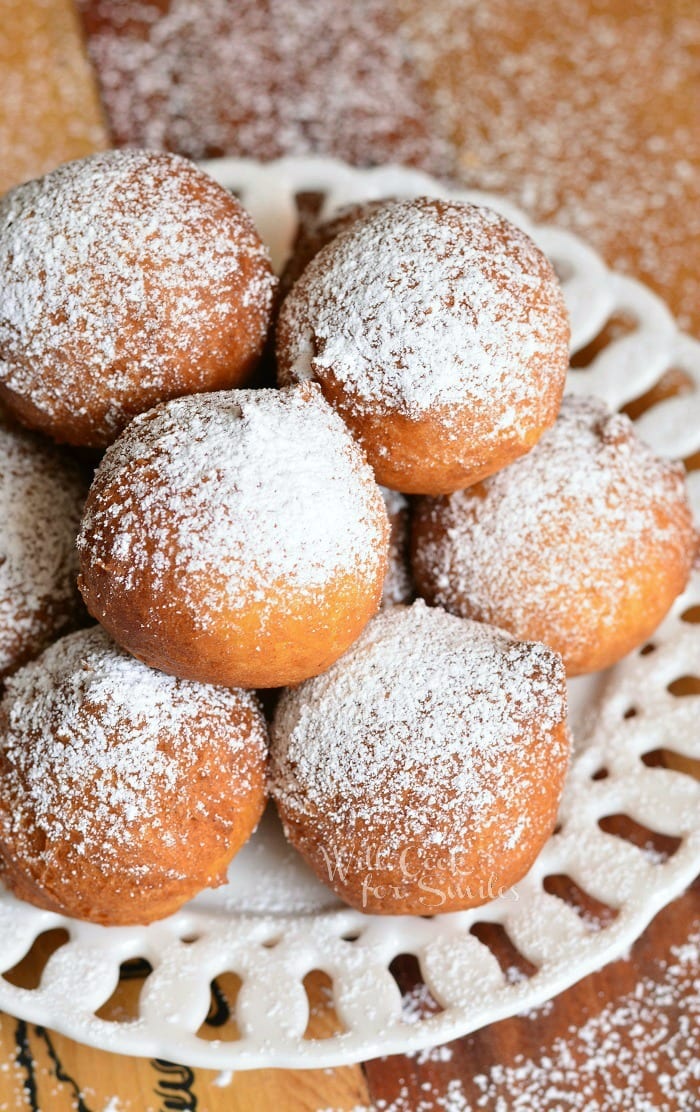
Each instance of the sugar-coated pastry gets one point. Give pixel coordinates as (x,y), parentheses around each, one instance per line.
(123,791)
(398,586)
(438,331)
(422,772)
(41,499)
(127,277)
(583,544)
(236,538)
(315,233)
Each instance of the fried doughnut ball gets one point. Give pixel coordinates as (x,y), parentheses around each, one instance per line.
(123,791)
(583,544)
(41,499)
(438,331)
(398,585)
(315,233)
(422,772)
(128,277)
(236,538)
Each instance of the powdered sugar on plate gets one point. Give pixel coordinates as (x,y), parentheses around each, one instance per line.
(639,1052)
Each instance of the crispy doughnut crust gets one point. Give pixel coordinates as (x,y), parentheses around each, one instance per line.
(236,538)
(123,792)
(128,277)
(584,544)
(422,772)
(438,331)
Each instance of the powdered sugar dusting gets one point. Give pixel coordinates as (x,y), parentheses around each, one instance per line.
(398,585)
(261,79)
(86,720)
(641,1052)
(589,486)
(428,304)
(424,707)
(124,276)
(580,113)
(234,493)
(41,498)
(314,233)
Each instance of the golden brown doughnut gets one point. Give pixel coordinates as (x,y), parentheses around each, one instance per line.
(123,791)
(41,499)
(128,277)
(313,234)
(422,772)
(236,538)
(583,544)
(438,331)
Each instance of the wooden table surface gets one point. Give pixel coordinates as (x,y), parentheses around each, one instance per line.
(585,111)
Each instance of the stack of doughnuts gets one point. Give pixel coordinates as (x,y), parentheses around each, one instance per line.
(236,539)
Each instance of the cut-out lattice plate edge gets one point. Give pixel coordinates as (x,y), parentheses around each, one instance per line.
(273,953)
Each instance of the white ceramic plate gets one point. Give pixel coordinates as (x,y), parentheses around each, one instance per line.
(274,922)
